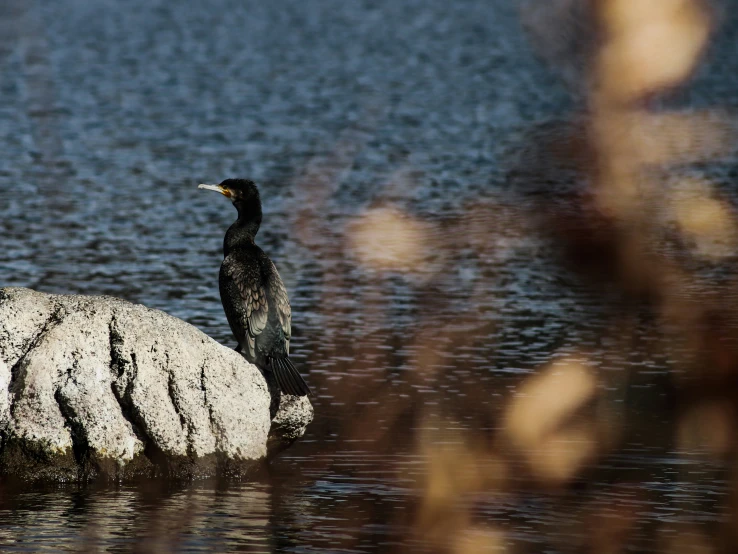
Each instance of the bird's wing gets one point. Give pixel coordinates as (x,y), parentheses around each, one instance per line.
(281,301)
(255,307)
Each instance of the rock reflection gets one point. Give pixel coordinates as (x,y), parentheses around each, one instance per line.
(148,518)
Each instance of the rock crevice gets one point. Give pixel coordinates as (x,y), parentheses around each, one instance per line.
(16,370)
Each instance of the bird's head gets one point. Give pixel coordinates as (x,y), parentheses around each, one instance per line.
(242,192)
(245,196)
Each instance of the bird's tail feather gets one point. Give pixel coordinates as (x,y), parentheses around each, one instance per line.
(288,379)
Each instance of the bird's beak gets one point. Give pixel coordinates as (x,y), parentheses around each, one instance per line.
(217,188)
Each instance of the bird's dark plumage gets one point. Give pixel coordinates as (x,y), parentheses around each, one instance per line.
(253,295)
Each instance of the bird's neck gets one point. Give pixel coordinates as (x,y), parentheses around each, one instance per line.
(242,232)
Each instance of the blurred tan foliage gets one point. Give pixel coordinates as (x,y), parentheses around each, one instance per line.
(541,421)
(644,215)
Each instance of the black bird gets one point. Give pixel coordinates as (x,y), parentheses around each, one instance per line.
(253,295)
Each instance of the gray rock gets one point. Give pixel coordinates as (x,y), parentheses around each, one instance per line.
(96,386)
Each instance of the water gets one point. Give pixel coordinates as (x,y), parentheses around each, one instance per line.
(425,294)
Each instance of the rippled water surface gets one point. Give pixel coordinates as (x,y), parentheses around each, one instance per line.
(425,295)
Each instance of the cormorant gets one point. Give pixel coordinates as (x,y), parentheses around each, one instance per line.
(254,298)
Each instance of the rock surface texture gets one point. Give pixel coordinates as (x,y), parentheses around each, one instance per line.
(99,387)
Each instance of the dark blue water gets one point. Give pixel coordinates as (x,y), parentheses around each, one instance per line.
(383,136)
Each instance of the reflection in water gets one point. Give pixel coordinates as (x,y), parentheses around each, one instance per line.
(149,518)
(357,500)
(522,335)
